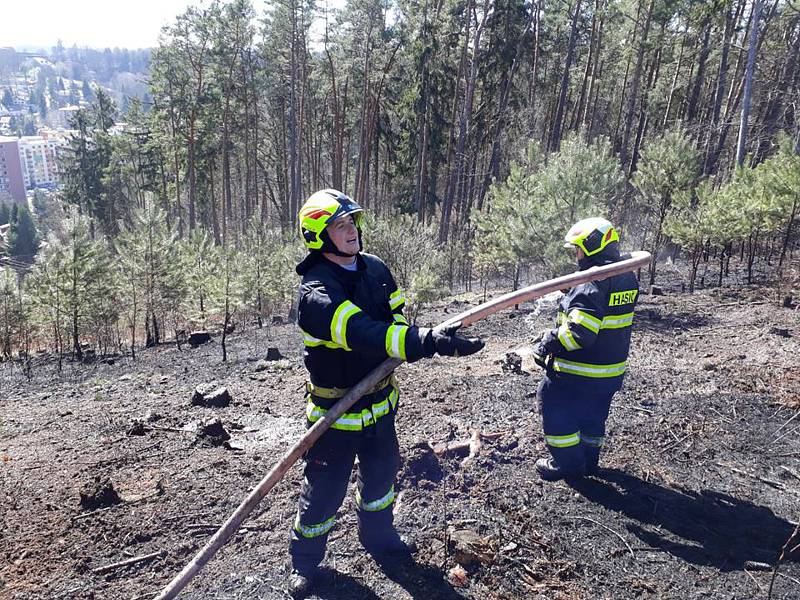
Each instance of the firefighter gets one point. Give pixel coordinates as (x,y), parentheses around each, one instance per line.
(350,312)
(584,358)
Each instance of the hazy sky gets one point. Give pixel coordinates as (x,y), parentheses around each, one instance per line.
(92,23)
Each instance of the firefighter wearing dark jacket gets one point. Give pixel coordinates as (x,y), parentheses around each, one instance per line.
(350,312)
(585,356)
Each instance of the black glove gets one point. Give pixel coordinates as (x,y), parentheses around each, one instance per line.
(541,357)
(447,343)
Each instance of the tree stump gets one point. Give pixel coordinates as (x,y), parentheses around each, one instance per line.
(211,395)
(198,337)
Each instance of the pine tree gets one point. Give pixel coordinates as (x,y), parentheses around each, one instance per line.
(690,223)
(530,212)
(668,166)
(13,315)
(268,278)
(417,262)
(73,284)
(227,298)
(150,268)
(23,239)
(46,285)
(200,260)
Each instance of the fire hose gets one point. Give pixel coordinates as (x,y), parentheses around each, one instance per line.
(635,260)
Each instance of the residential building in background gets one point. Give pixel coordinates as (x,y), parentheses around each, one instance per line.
(38,157)
(62,118)
(12,182)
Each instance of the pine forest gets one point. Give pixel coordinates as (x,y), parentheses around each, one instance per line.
(473,132)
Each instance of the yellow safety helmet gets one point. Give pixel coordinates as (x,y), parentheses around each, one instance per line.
(319,210)
(591,235)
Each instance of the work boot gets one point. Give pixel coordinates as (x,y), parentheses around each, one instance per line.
(549,471)
(592,457)
(300,582)
(391,546)
(592,468)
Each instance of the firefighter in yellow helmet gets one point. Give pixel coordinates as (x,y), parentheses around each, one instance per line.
(585,356)
(350,312)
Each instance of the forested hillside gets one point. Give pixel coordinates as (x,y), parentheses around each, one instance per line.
(476,131)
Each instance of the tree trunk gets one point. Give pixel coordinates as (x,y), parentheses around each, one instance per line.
(586,121)
(748,86)
(499,120)
(555,136)
(457,173)
(777,97)
(787,236)
(293,138)
(635,83)
(694,97)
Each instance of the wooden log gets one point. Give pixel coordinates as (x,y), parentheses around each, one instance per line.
(635,261)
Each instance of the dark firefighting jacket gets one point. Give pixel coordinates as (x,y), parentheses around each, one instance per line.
(593,336)
(351,322)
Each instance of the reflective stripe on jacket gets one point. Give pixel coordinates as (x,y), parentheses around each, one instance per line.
(351,321)
(593,336)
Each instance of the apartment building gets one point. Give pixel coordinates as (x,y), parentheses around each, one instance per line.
(38,157)
(12,182)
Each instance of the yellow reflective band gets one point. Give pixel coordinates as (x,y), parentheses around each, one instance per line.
(312,342)
(588,370)
(335,392)
(312,531)
(347,422)
(561,318)
(396,341)
(563,441)
(398,318)
(339,323)
(592,440)
(620,298)
(591,322)
(396,299)
(384,501)
(618,321)
(356,421)
(567,339)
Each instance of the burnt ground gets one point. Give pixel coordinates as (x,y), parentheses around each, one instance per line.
(701,488)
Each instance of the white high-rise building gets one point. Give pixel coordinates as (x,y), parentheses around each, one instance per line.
(38,158)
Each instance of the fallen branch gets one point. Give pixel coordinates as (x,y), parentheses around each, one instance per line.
(784,434)
(218,525)
(791,472)
(776,484)
(460,447)
(639,408)
(624,541)
(128,562)
(792,418)
(786,552)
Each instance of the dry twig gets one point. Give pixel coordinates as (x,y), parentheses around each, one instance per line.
(786,551)
(607,529)
(125,563)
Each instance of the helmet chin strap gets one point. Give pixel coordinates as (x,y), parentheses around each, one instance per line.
(329,247)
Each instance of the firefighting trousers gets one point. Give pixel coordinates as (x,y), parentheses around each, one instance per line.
(328,465)
(574,420)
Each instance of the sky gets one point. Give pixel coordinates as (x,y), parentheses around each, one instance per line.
(92,23)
